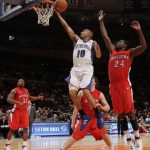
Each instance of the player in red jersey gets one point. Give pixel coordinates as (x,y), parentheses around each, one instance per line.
(19,118)
(120,87)
(89,124)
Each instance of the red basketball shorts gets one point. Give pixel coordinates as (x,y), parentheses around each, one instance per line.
(91,127)
(19,119)
(122,98)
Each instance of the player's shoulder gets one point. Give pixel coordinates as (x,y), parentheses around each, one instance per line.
(13,91)
(98,91)
(26,89)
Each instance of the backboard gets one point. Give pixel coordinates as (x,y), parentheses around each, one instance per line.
(11,8)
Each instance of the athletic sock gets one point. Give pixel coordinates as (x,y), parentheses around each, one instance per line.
(8,142)
(24,143)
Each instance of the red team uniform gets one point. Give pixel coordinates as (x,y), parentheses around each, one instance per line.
(91,126)
(20,118)
(120,86)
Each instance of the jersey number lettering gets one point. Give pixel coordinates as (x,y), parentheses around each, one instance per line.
(119,63)
(81,53)
(25,100)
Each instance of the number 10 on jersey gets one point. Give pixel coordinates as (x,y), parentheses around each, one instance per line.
(81,53)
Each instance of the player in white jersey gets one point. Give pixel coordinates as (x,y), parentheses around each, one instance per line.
(82,71)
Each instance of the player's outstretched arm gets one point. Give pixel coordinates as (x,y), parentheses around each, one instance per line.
(104,33)
(10,98)
(104,104)
(97,50)
(34,98)
(68,29)
(143,46)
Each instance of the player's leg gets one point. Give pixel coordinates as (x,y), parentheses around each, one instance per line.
(25,137)
(9,136)
(124,124)
(74,82)
(101,134)
(86,84)
(13,121)
(133,121)
(107,140)
(89,97)
(24,123)
(73,92)
(129,108)
(78,134)
(70,141)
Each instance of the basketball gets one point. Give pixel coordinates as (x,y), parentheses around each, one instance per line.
(61,5)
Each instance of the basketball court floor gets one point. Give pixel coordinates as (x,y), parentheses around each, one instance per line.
(88,143)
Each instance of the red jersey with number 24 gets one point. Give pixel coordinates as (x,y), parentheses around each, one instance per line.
(119,66)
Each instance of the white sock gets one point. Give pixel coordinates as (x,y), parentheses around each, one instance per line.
(24,143)
(7,141)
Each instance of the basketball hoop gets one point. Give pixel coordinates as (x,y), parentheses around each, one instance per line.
(45,11)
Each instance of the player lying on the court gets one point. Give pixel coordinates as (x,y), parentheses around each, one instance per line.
(82,71)
(19,96)
(90,124)
(120,87)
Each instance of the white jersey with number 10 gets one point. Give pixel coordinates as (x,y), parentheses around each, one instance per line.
(83,53)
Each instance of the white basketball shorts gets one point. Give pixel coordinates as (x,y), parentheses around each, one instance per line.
(80,77)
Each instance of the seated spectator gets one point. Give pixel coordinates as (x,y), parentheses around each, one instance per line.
(4,126)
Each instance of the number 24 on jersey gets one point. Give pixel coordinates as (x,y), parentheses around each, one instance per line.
(119,63)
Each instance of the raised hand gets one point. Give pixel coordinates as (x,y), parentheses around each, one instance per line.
(101,15)
(135,25)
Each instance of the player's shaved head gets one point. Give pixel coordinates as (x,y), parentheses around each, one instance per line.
(121,45)
(86,33)
(21,83)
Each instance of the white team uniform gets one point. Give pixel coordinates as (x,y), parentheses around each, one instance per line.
(82,71)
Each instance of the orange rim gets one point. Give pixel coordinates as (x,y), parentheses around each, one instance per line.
(47,1)
(42,1)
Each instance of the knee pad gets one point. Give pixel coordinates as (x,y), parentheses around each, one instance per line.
(134,124)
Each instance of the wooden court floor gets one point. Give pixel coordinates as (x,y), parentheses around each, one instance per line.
(88,143)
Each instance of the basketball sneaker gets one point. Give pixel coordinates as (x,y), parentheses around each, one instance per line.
(24,147)
(131,144)
(7,147)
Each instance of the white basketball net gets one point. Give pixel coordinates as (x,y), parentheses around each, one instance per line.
(45,12)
